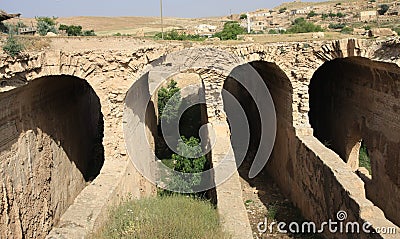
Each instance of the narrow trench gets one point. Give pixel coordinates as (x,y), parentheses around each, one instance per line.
(264,201)
(190,122)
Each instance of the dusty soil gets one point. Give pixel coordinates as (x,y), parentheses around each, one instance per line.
(263,199)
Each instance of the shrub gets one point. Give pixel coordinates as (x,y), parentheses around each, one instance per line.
(72,30)
(169,101)
(243,16)
(272,31)
(45,25)
(13,47)
(282,10)
(312,14)
(332,15)
(324,16)
(397,30)
(340,15)
(174,35)
(337,25)
(383,9)
(192,162)
(89,33)
(346,30)
(231,31)
(364,159)
(300,25)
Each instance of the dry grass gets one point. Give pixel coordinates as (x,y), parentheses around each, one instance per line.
(34,43)
(176,216)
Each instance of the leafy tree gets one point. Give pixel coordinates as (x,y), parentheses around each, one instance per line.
(383,9)
(282,10)
(243,16)
(45,25)
(169,101)
(300,25)
(12,46)
(231,31)
(192,162)
(71,30)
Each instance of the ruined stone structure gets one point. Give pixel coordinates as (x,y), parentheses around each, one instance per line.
(59,105)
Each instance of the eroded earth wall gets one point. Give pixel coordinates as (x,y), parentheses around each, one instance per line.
(354,100)
(51,144)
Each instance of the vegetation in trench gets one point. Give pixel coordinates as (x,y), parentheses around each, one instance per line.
(189,158)
(364,159)
(192,163)
(169,101)
(165,217)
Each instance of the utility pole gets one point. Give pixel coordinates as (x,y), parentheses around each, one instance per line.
(162,24)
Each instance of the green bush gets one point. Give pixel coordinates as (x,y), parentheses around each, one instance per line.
(46,25)
(300,25)
(312,14)
(282,10)
(192,163)
(172,96)
(324,16)
(73,30)
(175,216)
(89,33)
(383,9)
(332,15)
(364,159)
(273,31)
(337,25)
(347,30)
(243,16)
(340,15)
(12,46)
(231,31)
(174,35)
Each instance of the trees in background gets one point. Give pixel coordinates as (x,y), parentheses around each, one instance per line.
(46,25)
(230,31)
(76,30)
(300,25)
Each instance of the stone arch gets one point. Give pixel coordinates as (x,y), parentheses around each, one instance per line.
(358,102)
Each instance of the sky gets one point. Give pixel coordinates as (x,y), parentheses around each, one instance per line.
(173,8)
